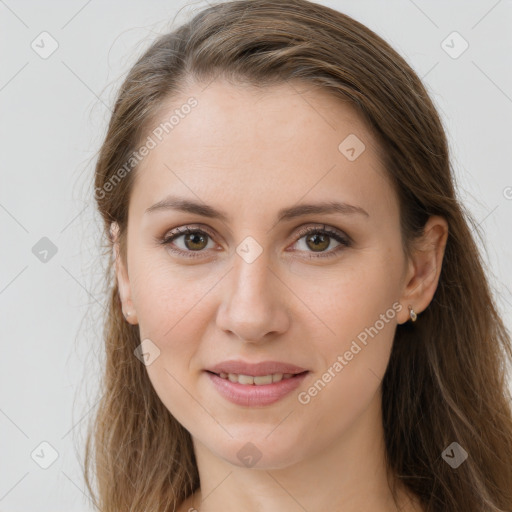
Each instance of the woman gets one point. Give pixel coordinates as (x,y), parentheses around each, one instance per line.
(299,316)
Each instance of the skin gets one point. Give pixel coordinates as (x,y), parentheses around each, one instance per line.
(251,152)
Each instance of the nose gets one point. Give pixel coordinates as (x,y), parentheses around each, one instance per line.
(254,305)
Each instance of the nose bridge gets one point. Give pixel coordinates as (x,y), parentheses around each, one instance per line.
(251,275)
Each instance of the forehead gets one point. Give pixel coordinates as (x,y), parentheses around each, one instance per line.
(257,147)
(292,110)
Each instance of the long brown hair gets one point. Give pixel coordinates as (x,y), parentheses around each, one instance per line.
(447,376)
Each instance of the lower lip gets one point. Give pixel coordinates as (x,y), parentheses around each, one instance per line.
(253,395)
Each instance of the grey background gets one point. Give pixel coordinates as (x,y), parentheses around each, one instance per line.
(53,116)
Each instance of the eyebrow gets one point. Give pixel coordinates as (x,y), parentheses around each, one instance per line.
(189,206)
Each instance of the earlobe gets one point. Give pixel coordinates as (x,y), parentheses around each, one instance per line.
(122,277)
(425,268)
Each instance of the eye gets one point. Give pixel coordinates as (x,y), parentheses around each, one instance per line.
(194,241)
(319,239)
(316,240)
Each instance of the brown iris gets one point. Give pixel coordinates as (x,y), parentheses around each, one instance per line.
(194,241)
(319,241)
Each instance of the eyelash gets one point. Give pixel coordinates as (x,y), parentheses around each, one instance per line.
(343,240)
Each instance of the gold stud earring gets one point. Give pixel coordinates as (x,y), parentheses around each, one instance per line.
(412,314)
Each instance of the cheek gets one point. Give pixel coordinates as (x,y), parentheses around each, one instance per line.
(353,365)
(168,311)
(172,315)
(168,299)
(345,299)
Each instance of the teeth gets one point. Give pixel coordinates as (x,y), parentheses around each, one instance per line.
(258,381)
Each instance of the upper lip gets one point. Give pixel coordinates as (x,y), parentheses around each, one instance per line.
(255,369)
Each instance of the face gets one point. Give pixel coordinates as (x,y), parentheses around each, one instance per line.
(317,289)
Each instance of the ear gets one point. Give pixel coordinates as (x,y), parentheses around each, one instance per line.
(424,268)
(122,278)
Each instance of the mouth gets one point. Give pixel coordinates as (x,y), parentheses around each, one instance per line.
(256,380)
(255,390)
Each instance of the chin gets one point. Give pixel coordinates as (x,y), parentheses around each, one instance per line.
(260,452)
